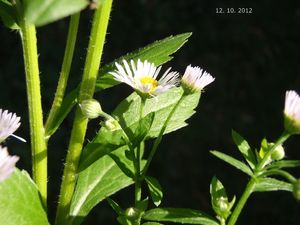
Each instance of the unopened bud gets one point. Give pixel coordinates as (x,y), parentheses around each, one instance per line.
(112,124)
(296,189)
(132,213)
(90,108)
(278,153)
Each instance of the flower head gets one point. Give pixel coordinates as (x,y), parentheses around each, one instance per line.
(195,79)
(292,112)
(142,76)
(9,123)
(7,164)
(90,108)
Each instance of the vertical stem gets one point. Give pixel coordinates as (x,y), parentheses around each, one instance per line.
(38,144)
(93,58)
(65,71)
(237,210)
(138,189)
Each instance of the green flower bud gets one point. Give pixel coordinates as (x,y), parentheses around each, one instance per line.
(296,189)
(132,214)
(278,153)
(90,108)
(112,124)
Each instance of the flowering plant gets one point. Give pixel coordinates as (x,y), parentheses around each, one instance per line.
(121,152)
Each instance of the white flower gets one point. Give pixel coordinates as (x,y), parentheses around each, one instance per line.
(7,164)
(195,79)
(142,77)
(292,112)
(9,123)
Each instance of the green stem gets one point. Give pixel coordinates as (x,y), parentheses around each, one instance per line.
(159,138)
(93,58)
(138,188)
(37,136)
(238,208)
(251,184)
(64,74)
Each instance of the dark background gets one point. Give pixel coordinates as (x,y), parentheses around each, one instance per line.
(254,57)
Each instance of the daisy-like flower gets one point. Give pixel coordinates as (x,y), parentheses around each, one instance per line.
(292,112)
(9,123)
(7,164)
(142,77)
(195,79)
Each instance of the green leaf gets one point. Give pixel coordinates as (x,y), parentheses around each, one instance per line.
(41,12)
(115,206)
(155,190)
(152,223)
(234,162)
(20,202)
(179,215)
(158,53)
(126,113)
(284,164)
(99,181)
(8,14)
(124,164)
(272,184)
(244,148)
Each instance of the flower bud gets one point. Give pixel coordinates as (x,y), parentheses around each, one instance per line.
(90,108)
(112,124)
(296,189)
(278,153)
(132,214)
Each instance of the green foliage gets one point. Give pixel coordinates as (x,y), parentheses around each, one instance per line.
(107,141)
(158,52)
(179,215)
(219,199)
(244,148)
(284,164)
(155,190)
(97,182)
(8,14)
(152,223)
(234,162)
(41,12)
(20,202)
(272,184)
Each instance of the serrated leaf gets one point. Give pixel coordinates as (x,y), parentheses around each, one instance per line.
(126,113)
(99,181)
(179,215)
(244,148)
(234,162)
(20,202)
(155,190)
(272,184)
(8,14)
(158,52)
(284,164)
(41,12)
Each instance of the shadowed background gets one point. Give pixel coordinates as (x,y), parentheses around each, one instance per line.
(254,57)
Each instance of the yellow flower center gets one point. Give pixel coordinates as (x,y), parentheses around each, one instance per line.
(149,80)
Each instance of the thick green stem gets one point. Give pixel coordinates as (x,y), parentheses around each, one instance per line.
(37,135)
(240,205)
(159,138)
(93,58)
(251,185)
(65,71)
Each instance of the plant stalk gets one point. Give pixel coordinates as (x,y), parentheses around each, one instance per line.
(93,58)
(37,135)
(64,74)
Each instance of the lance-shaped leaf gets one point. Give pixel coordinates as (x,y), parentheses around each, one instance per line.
(8,14)
(234,162)
(41,12)
(272,184)
(155,190)
(20,202)
(179,215)
(244,148)
(284,164)
(97,182)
